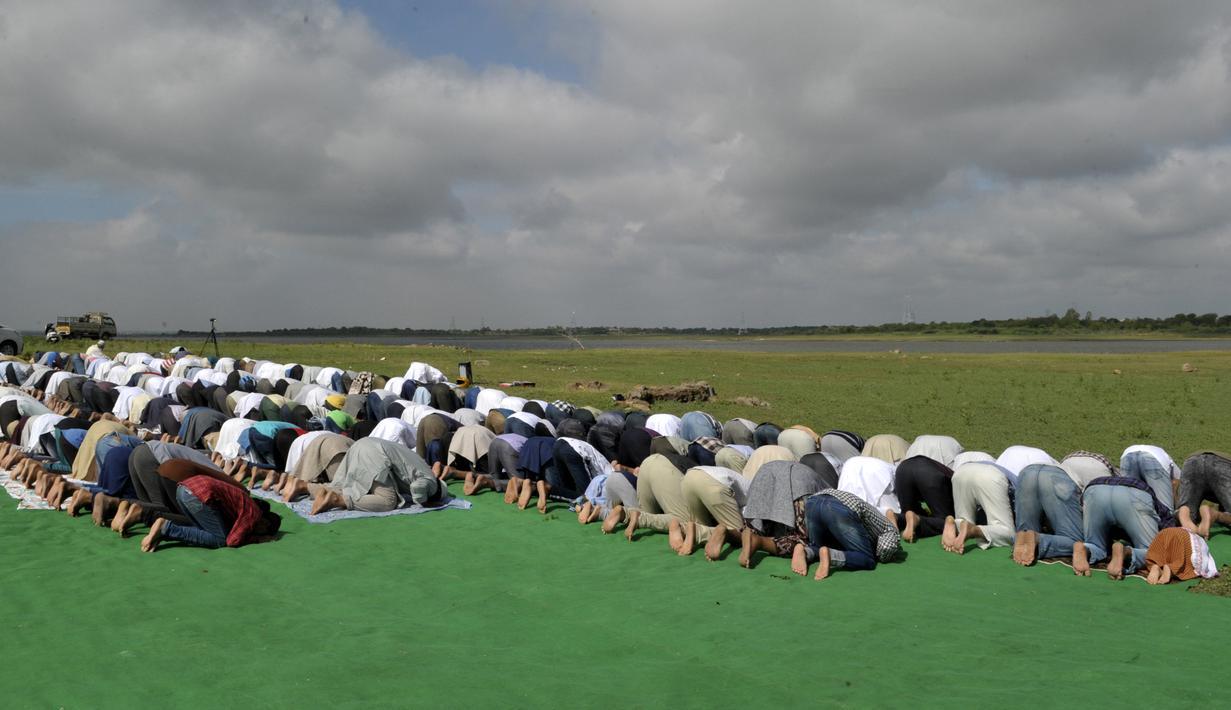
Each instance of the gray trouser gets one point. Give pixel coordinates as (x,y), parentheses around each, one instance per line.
(501,463)
(1205,475)
(620,492)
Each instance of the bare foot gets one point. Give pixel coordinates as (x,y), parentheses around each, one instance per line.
(326,500)
(43,484)
(594,513)
(1081,560)
(613,519)
(80,498)
(511,490)
(1165,577)
(912,520)
(967,530)
(544,488)
(1115,564)
(745,551)
(892,516)
(1207,517)
(1154,574)
(675,534)
(713,547)
(55,495)
(690,539)
(583,512)
(132,516)
(523,498)
(630,530)
(120,510)
(948,536)
(799,560)
(1025,545)
(1184,516)
(103,509)
(823,571)
(150,542)
(294,490)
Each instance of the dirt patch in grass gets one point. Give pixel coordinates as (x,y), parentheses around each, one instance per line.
(1219,586)
(751,402)
(591,386)
(699,391)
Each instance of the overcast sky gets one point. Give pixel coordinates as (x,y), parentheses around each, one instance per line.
(292,163)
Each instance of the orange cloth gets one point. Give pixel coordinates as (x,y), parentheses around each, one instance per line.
(1173,548)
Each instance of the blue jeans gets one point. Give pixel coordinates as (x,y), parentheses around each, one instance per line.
(1129,509)
(210,530)
(831,524)
(1046,492)
(1146,468)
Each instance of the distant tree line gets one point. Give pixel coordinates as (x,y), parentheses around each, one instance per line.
(1071,323)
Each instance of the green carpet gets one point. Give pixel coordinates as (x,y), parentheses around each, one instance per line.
(496,606)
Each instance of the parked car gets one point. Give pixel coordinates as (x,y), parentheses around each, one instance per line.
(10,341)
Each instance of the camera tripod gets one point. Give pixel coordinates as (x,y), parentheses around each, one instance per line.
(211,337)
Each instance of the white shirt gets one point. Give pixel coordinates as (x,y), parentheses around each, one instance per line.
(872,480)
(38,425)
(396,430)
(663,423)
(414,413)
(394,385)
(512,403)
(1162,457)
(247,403)
(269,371)
(1016,458)
(123,403)
(227,443)
(425,373)
(167,387)
(297,447)
(488,399)
(153,386)
(324,378)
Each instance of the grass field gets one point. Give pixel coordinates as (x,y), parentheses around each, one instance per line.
(496,606)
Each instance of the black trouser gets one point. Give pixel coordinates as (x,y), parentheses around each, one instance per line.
(920,480)
(282,446)
(218,400)
(155,493)
(570,476)
(8,414)
(73,386)
(168,422)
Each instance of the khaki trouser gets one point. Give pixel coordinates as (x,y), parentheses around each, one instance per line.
(710,503)
(984,486)
(658,494)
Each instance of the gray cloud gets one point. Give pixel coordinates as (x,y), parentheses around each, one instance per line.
(796,163)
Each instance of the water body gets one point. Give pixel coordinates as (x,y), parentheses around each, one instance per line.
(785,346)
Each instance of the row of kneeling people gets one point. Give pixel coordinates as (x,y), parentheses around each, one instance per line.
(832,499)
